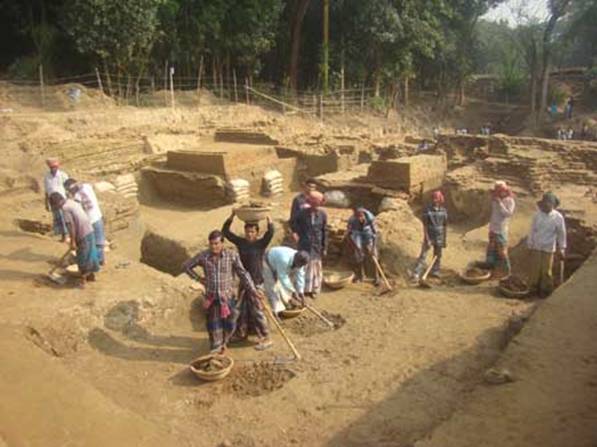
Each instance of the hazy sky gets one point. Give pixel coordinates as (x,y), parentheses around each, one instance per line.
(510,10)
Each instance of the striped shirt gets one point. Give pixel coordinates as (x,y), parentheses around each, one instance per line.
(219,273)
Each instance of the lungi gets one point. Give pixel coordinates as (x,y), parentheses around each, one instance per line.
(313,276)
(100,239)
(251,318)
(497,253)
(540,272)
(87,258)
(220,325)
(58,223)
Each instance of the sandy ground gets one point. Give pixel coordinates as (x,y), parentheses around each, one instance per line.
(400,369)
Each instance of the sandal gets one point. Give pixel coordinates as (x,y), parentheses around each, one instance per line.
(262,346)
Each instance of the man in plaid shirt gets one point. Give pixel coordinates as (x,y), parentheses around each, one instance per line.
(219,266)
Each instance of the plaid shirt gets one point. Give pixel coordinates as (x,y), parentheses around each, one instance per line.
(219,273)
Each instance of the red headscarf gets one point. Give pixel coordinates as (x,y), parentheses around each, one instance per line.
(438,197)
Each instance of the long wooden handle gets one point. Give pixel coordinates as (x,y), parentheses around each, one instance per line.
(562,272)
(271,317)
(56,267)
(424,277)
(381,272)
(320,315)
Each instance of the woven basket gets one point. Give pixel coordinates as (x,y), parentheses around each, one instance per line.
(292,313)
(513,293)
(337,280)
(250,214)
(211,376)
(474,279)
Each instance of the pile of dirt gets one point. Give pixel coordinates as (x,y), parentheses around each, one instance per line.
(475,272)
(308,324)
(257,379)
(514,283)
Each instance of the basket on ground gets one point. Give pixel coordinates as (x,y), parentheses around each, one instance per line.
(212,367)
(252,214)
(291,313)
(474,274)
(337,280)
(513,287)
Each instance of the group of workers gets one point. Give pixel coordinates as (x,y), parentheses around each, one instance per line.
(76,218)
(282,275)
(546,237)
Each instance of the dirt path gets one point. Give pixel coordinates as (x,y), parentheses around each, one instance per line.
(553,401)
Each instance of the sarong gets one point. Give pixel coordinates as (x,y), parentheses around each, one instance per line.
(58,223)
(220,328)
(100,239)
(313,276)
(251,318)
(497,252)
(540,272)
(87,258)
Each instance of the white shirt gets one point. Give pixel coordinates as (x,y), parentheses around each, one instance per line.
(88,200)
(501,212)
(546,231)
(55,183)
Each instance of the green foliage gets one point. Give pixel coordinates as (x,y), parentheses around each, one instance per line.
(118,32)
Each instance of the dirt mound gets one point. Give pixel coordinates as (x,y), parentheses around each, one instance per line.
(257,379)
(308,324)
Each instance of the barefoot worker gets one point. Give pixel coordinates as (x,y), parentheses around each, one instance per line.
(547,231)
(435,222)
(310,227)
(362,233)
(252,252)
(84,194)
(54,183)
(502,209)
(284,277)
(82,239)
(219,265)
(300,201)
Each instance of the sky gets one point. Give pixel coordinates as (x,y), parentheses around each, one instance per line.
(510,11)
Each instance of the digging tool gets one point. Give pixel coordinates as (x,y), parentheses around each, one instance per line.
(423,281)
(274,321)
(320,316)
(562,266)
(383,275)
(53,276)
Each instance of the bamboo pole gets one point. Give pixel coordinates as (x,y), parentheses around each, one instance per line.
(247,93)
(199,75)
(172,87)
(321,107)
(99,82)
(362,96)
(342,89)
(166,84)
(42,89)
(235,86)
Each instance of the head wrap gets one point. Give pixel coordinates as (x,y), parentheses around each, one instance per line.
(315,198)
(301,258)
(438,196)
(69,184)
(53,162)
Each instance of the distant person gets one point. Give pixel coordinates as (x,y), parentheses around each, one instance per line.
(570,134)
(548,231)
(82,239)
(569,107)
(435,230)
(284,277)
(436,133)
(84,194)
(310,228)
(502,210)
(54,183)
(561,134)
(219,265)
(300,201)
(251,249)
(423,146)
(553,110)
(362,232)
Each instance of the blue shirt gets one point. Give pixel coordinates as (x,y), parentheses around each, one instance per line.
(279,260)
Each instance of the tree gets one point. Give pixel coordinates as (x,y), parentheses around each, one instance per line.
(299,9)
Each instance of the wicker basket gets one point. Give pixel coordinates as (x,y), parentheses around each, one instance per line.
(252,214)
(337,280)
(292,313)
(513,293)
(211,376)
(474,279)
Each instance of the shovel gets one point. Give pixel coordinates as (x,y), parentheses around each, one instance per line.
(423,281)
(55,277)
(274,321)
(383,276)
(320,316)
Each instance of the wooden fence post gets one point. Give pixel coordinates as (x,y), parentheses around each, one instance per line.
(172,87)
(166,84)
(199,75)
(321,106)
(42,89)
(247,93)
(99,82)
(342,89)
(362,96)
(235,88)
